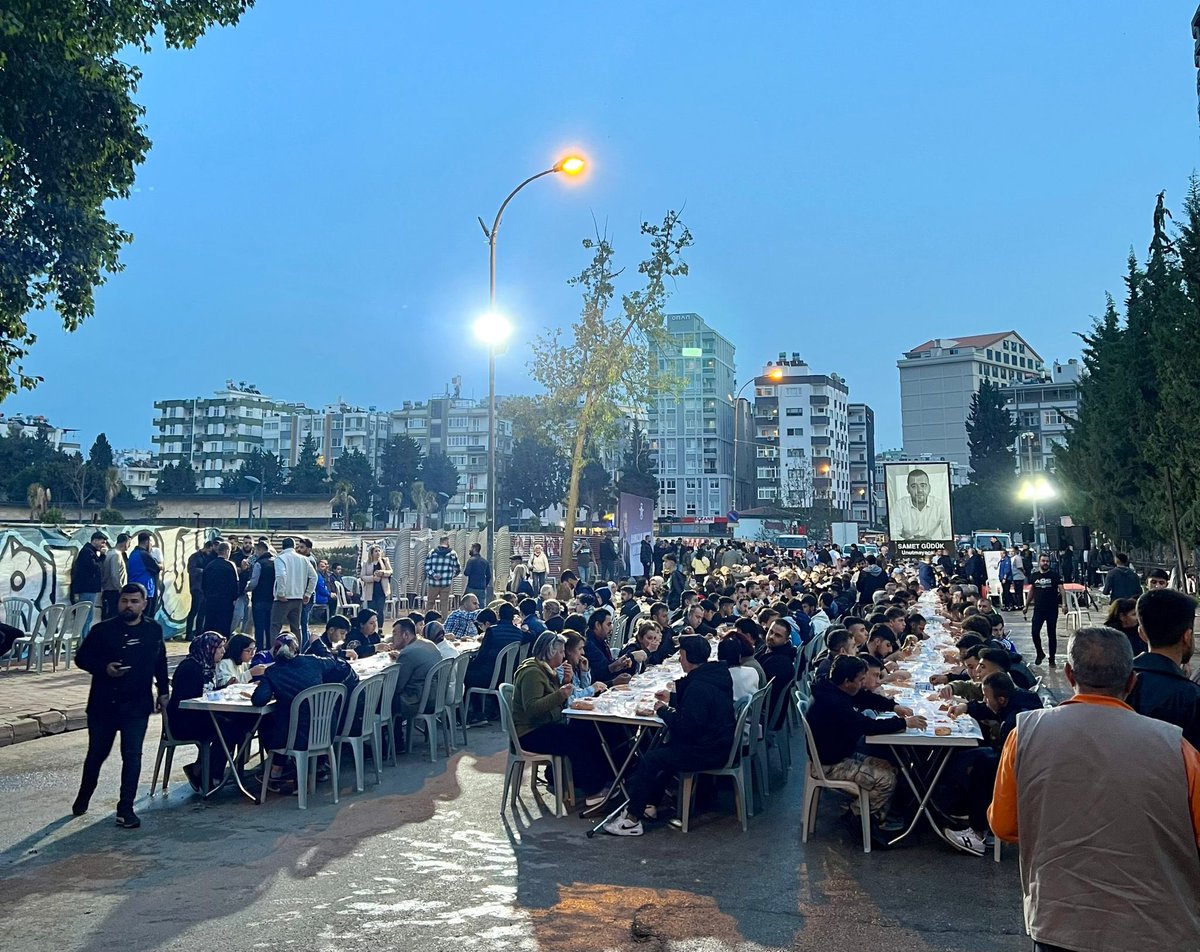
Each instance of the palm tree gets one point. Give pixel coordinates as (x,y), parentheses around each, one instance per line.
(112,485)
(342,501)
(37,497)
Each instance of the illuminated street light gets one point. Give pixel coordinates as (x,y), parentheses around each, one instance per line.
(493,330)
(1033,490)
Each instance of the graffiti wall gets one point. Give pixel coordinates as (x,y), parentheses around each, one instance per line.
(35,563)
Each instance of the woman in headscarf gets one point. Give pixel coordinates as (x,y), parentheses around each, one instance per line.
(194,676)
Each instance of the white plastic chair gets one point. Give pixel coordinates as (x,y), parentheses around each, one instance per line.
(518,757)
(167,742)
(70,633)
(387,717)
(754,754)
(502,672)
(779,740)
(366,694)
(1075,609)
(19,612)
(41,636)
(736,767)
(432,710)
(815,781)
(457,696)
(324,702)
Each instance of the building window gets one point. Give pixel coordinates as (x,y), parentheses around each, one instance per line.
(794,411)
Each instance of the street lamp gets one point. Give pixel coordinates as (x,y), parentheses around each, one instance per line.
(493,329)
(774,374)
(1036,489)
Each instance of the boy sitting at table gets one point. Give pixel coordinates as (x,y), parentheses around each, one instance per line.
(997,714)
(838,728)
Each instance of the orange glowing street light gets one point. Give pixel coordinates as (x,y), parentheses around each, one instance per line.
(571,164)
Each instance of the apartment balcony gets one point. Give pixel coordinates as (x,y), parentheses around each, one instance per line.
(820,442)
(819,420)
(818,402)
(822,483)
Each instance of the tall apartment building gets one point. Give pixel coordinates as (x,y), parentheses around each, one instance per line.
(801,435)
(335,429)
(35,426)
(1040,409)
(213,435)
(690,424)
(938,379)
(861,430)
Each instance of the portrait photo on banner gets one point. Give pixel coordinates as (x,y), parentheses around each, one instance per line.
(918,501)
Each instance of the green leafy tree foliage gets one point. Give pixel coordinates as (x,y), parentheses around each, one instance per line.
(267,468)
(399,467)
(354,469)
(639,475)
(439,475)
(100,456)
(307,477)
(989,500)
(598,366)
(71,136)
(27,460)
(1134,446)
(536,477)
(176,479)
(595,489)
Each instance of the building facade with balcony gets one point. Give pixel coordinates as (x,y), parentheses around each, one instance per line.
(138,470)
(690,425)
(1041,410)
(801,435)
(38,426)
(213,435)
(938,379)
(861,431)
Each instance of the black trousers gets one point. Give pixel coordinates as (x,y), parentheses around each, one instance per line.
(1048,617)
(656,769)
(109,602)
(195,618)
(578,741)
(260,609)
(102,732)
(1042,947)
(218,617)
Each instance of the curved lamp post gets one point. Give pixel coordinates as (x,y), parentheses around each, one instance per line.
(494,329)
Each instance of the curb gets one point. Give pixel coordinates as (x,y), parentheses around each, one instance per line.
(44,724)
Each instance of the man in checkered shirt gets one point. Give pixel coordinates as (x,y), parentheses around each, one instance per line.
(460,623)
(441,565)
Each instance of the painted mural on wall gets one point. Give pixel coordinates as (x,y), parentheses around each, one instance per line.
(35,563)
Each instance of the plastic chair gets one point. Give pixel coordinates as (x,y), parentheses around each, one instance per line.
(433,695)
(41,636)
(324,704)
(735,769)
(502,672)
(387,718)
(457,689)
(366,694)
(754,754)
(19,612)
(167,742)
(815,781)
(1075,609)
(70,633)
(518,757)
(780,739)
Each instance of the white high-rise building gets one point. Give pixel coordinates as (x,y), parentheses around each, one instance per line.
(938,379)
(801,436)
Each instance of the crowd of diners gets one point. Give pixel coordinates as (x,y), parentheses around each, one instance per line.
(742,623)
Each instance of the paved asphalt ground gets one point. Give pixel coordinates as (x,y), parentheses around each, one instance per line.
(424,861)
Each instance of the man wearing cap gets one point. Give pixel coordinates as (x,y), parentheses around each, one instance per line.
(113,576)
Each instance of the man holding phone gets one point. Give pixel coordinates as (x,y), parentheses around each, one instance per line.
(125,656)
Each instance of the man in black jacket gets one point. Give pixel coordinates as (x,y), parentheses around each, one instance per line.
(838,728)
(85,572)
(221,590)
(196,564)
(699,716)
(646,557)
(123,655)
(1165,621)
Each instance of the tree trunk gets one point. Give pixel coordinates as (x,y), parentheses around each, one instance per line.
(568,548)
(1176,542)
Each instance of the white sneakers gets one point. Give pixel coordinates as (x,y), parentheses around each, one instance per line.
(596,798)
(966,840)
(624,825)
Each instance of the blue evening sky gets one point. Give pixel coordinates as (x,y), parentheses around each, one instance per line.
(858,178)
